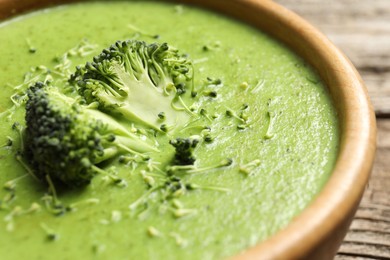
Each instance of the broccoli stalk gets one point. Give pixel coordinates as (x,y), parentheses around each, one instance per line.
(66,140)
(140,82)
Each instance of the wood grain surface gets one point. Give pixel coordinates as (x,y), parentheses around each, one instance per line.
(361,29)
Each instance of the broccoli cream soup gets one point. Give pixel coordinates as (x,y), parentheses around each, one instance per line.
(196,136)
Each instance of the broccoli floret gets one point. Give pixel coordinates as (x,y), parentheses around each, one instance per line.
(140,82)
(184,149)
(67,140)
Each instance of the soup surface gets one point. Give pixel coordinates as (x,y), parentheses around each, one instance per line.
(281,160)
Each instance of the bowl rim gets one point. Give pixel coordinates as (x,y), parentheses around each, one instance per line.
(339,198)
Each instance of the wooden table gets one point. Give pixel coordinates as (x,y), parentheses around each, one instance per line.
(361,29)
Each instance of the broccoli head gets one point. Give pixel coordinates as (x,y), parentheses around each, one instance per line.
(67,140)
(140,82)
(184,150)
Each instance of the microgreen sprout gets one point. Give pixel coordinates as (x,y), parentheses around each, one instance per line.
(51,235)
(206,135)
(52,203)
(212,46)
(19,211)
(8,143)
(20,131)
(177,204)
(98,248)
(258,87)
(116,216)
(178,239)
(134,160)
(179,9)
(191,169)
(214,81)
(204,113)
(143,198)
(208,138)
(149,180)
(35,207)
(248,168)
(139,32)
(231,113)
(7,200)
(84,48)
(9,218)
(154,232)
(11,184)
(31,48)
(270,130)
(19,158)
(180,213)
(19,97)
(193,186)
(242,116)
(161,116)
(210,93)
(91,201)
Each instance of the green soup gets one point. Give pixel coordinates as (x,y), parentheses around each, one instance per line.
(280,162)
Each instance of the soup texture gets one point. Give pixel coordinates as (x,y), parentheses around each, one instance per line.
(282,154)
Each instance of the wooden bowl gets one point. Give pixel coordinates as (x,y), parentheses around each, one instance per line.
(318,231)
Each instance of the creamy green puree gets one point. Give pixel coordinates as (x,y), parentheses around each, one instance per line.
(280,161)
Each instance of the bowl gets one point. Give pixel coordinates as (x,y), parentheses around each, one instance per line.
(318,231)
